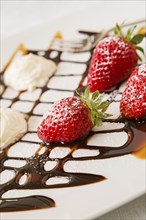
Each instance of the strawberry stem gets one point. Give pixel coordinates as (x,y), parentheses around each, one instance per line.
(129,37)
(96,106)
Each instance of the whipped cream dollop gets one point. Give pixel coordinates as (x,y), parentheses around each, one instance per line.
(29,71)
(13,126)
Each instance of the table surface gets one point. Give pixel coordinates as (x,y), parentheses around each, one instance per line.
(17,16)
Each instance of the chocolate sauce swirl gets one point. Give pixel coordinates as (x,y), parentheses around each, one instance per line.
(37,176)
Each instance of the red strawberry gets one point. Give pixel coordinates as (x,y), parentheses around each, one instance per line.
(72,118)
(133,102)
(114,58)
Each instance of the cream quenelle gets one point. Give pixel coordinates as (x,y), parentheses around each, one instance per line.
(28,71)
(13,126)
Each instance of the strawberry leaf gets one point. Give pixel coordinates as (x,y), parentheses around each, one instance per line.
(103,105)
(140,59)
(137,39)
(87,92)
(129,33)
(102,115)
(140,49)
(95,106)
(98,122)
(128,37)
(118,30)
(89,105)
(95,95)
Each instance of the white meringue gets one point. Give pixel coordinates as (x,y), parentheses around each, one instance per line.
(13,126)
(29,71)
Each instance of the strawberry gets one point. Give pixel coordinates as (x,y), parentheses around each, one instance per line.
(113,59)
(133,102)
(72,118)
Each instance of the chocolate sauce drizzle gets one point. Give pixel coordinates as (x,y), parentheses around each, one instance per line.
(37,176)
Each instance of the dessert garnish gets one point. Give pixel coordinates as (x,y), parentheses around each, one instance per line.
(133,102)
(13,126)
(28,71)
(114,58)
(72,118)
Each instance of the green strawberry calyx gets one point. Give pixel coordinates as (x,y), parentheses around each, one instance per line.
(96,106)
(130,37)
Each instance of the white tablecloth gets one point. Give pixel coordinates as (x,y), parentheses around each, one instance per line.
(19,15)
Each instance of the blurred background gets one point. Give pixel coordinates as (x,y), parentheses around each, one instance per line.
(18,16)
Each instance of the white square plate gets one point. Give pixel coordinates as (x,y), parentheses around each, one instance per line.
(125,175)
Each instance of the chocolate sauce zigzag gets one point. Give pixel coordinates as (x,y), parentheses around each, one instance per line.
(37,176)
